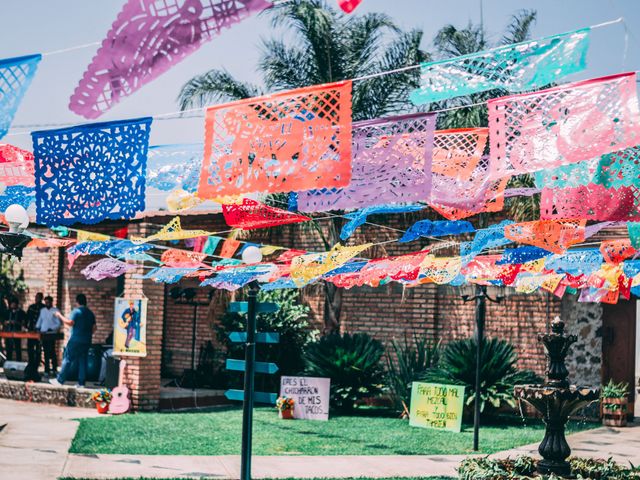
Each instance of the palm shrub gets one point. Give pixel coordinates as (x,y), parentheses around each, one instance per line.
(498,372)
(352,362)
(408,362)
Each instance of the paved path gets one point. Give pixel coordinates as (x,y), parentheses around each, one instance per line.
(36,438)
(621,444)
(35,442)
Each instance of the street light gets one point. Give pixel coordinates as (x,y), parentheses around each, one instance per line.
(480,295)
(13,241)
(250,255)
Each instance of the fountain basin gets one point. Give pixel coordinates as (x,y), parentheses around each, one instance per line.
(556,404)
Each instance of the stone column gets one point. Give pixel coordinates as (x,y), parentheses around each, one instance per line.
(143,373)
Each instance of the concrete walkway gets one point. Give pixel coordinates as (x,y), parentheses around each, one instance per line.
(35,442)
(36,438)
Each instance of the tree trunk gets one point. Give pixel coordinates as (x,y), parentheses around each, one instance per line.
(332,308)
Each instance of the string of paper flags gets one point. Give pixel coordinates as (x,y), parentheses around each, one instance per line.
(303,143)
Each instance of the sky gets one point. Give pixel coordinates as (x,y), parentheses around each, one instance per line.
(41,26)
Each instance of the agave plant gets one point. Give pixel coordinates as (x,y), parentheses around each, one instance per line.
(407,362)
(352,362)
(498,372)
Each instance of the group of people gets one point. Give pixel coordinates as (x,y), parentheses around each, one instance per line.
(42,317)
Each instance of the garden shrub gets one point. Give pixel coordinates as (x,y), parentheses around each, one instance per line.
(352,362)
(498,373)
(408,362)
(291,321)
(523,468)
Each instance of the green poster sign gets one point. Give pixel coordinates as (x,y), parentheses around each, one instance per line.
(436,406)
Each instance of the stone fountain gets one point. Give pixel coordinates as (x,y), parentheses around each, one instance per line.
(556,400)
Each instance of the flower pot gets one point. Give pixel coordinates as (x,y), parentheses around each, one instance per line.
(286,414)
(102,407)
(616,417)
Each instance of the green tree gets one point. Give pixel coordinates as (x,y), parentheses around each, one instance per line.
(325,46)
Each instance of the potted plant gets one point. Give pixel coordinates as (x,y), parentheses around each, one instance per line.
(285,407)
(102,398)
(613,404)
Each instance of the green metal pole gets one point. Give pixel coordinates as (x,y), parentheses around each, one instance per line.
(247,405)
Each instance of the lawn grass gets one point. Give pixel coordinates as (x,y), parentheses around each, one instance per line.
(218,433)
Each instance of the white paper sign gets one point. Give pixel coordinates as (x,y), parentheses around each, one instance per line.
(310,396)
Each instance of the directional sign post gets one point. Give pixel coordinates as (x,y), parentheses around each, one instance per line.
(250,367)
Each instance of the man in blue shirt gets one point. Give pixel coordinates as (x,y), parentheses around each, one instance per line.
(83,323)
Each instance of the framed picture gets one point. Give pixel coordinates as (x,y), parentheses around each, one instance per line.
(130,327)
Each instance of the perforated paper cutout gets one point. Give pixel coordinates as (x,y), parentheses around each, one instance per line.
(85,236)
(16,166)
(305,268)
(49,243)
(522,66)
(182,258)
(359,218)
(289,141)
(612,170)
(399,268)
(566,124)
(250,215)
(441,270)
(171,231)
(616,251)
(17,194)
(591,202)
(552,235)
(391,164)
(147,38)
(16,75)
(438,228)
(576,262)
(106,268)
(91,173)
(486,238)
(229,247)
(522,255)
(634,233)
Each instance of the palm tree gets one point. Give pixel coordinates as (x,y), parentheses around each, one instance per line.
(326,47)
(452,42)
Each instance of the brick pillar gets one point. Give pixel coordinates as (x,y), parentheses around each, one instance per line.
(143,373)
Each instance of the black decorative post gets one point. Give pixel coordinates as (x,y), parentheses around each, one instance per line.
(247,404)
(556,400)
(481,311)
(480,297)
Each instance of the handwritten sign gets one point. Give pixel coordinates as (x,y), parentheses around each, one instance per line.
(310,396)
(436,406)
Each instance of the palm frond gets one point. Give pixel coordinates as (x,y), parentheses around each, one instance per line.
(314,25)
(213,87)
(363,37)
(523,209)
(384,95)
(287,67)
(519,29)
(453,42)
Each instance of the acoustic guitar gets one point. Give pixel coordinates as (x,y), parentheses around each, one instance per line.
(120,402)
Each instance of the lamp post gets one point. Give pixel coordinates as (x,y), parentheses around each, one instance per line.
(480,296)
(13,241)
(250,255)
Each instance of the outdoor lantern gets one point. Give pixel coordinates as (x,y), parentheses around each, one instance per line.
(13,241)
(251,254)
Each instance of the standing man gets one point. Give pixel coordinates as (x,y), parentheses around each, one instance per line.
(83,323)
(33,314)
(16,320)
(48,323)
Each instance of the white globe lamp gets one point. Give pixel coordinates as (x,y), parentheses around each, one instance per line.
(17,218)
(251,255)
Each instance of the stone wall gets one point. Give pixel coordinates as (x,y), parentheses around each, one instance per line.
(585,357)
(45,393)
